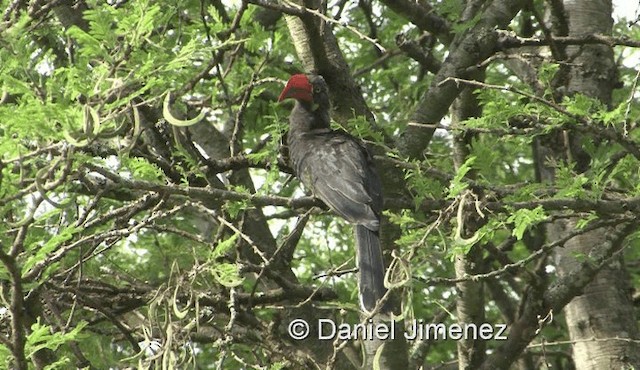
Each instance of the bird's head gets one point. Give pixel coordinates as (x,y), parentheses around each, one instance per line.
(310,89)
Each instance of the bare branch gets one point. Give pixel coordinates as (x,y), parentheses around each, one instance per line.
(510,40)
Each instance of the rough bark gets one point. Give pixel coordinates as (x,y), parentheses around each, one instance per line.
(602,317)
(422,15)
(604,311)
(467,49)
(470,309)
(538,304)
(470,302)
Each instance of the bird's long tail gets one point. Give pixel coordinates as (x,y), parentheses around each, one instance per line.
(371,266)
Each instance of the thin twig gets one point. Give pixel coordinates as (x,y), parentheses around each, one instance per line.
(533,256)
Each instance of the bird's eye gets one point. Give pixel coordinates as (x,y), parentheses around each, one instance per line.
(316,89)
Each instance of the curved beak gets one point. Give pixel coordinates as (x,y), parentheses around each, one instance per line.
(298,87)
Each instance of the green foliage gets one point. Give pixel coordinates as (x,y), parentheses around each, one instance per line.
(458,185)
(42,251)
(110,205)
(581,105)
(451,8)
(363,129)
(235,207)
(421,185)
(570,184)
(278,366)
(141,169)
(583,222)
(226,274)
(42,336)
(524,219)
(547,72)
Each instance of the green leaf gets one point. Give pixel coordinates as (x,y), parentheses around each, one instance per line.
(457,185)
(571,185)
(279,365)
(227,274)
(90,46)
(41,337)
(524,218)
(223,247)
(141,169)
(15,86)
(547,71)
(235,207)
(257,157)
(50,246)
(581,105)
(611,117)
(583,222)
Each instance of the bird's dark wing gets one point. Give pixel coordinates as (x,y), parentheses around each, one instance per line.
(339,171)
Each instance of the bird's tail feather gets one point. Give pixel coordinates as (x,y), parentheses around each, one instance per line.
(371,266)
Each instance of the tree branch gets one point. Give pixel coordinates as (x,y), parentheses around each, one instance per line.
(475,45)
(554,299)
(508,40)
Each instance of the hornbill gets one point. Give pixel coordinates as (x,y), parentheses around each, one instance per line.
(338,170)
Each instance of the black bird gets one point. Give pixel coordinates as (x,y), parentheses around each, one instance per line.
(338,169)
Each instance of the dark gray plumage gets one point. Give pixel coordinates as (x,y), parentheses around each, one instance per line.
(339,171)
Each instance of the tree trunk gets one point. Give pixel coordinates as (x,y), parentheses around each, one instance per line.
(470,303)
(602,317)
